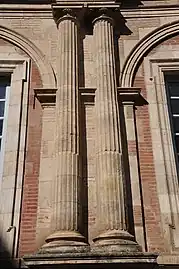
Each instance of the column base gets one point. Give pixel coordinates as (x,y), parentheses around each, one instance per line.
(79,255)
(90,260)
(117,240)
(64,242)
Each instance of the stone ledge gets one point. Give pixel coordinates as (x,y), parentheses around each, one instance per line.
(131,95)
(87,95)
(91,259)
(47,97)
(168,259)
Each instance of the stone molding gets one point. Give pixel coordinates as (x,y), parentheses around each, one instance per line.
(47,97)
(131,96)
(144,12)
(75,12)
(44,11)
(98,259)
(12,166)
(164,159)
(86,14)
(26,10)
(149,41)
(87,95)
(45,68)
(110,12)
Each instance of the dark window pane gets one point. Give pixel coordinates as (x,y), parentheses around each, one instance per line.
(1,126)
(173,88)
(2,105)
(2,92)
(177,143)
(5,81)
(175,106)
(176,124)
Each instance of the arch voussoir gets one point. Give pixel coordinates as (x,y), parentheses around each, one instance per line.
(45,69)
(141,48)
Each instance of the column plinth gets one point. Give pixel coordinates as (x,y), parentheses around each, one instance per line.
(67,212)
(111,221)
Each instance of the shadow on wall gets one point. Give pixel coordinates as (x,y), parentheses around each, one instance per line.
(131,3)
(6,261)
(124,3)
(26,1)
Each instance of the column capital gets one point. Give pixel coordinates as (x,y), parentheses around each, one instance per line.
(68,12)
(87,14)
(104,13)
(103,16)
(109,12)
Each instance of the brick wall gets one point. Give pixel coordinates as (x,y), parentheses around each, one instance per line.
(155,240)
(32,163)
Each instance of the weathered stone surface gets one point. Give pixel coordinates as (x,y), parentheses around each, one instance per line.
(109,164)
(41,58)
(66,205)
(100,259)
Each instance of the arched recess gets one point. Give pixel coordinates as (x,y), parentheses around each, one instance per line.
(45,69)
(138,52)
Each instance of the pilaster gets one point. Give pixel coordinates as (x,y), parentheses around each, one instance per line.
(129,100)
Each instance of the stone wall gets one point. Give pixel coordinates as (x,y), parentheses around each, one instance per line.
(40,46)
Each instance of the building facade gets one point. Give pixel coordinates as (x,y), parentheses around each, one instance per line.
(89,134)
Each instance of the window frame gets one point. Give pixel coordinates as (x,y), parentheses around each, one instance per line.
(12,165)
(168,79)
(4,130)
(155,67)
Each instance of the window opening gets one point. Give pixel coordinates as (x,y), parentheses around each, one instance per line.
(172,88)
(4,94)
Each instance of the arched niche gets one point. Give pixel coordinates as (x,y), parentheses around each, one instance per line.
(45,69)
(142,47)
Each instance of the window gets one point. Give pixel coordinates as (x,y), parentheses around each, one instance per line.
(14,92)
(172,87)
(4,93)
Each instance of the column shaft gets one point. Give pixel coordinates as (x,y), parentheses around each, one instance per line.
(109,165)
(67,186)
(108,156)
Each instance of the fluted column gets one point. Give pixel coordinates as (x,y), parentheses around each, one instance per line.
(66,219)
(109,167)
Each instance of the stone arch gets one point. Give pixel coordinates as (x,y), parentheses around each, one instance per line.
(45,69)
(149,41)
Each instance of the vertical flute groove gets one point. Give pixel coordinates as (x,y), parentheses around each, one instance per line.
(66,213)
(108,157)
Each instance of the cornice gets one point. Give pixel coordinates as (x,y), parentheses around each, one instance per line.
(27,11)
(24,6)
(152,11)
(44,11)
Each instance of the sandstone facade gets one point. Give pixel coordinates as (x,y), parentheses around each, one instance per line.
(89,175)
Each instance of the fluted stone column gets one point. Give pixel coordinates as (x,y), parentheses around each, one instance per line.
(66,219)
(109,167)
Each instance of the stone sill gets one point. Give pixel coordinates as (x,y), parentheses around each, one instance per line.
(91,259)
